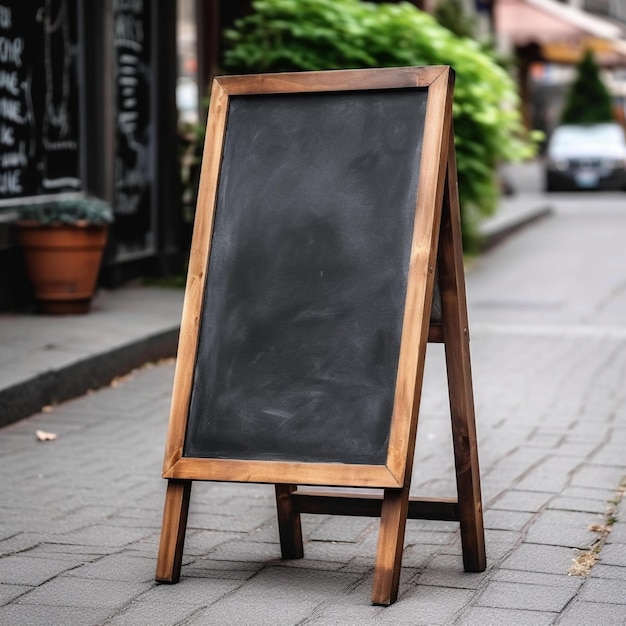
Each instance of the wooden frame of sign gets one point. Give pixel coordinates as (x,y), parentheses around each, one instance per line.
(326,253)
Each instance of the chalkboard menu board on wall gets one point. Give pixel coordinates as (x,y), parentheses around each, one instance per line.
(132,44)
(39,103)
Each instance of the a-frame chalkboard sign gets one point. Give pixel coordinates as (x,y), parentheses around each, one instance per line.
(326,253)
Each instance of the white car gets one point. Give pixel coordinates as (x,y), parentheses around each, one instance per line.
(586,157)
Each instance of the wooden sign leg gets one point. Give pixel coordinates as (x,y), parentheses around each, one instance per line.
(289,525)
(173,531)
(456,341)
(393,517)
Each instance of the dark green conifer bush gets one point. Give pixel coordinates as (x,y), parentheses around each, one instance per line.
(588,100)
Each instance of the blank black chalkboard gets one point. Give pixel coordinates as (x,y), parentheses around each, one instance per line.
(327,211)
(303,305)
(311,278)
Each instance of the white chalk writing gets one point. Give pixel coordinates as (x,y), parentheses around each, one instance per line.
(10,183)
(131,162)
(11,50)
(6,20)
(15,159)
(129,32)
(37,96)
(9,81)
(7,135)
(11,110)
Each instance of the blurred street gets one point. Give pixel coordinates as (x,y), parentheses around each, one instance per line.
(81,515)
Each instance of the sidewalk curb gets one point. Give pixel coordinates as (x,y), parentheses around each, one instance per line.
(98,370)
(495,230)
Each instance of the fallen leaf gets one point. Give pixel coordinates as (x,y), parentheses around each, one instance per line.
(599,528)
(42,435)
(583,563)
(118,380)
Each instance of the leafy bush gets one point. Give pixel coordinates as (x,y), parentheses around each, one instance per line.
(451,14)
(294,35)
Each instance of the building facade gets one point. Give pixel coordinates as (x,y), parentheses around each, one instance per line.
(87,107)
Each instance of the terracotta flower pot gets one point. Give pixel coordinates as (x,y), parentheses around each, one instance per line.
(62,261)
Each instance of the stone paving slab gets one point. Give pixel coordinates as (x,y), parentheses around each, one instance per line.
(88,539)
(81,515)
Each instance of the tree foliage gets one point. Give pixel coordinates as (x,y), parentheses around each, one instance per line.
(588,100)
(451,14)
(294,35)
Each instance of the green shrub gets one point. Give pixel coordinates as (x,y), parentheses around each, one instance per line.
(451,14)
(294,35)
(588,100)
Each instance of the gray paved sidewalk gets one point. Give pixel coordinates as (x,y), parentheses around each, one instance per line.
(81,515)
(47,359)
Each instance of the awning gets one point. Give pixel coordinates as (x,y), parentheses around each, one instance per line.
(607,52)
(563,32)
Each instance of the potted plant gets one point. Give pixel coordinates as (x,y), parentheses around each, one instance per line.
(63,241)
